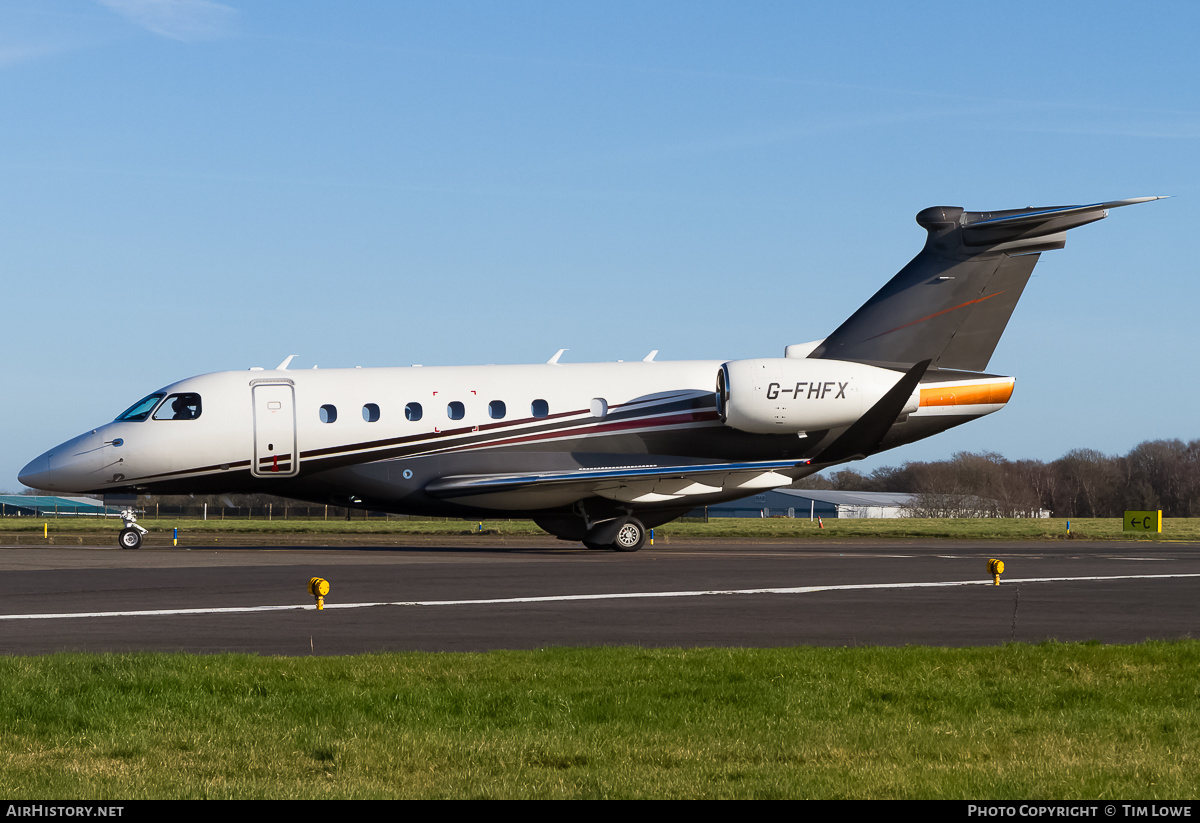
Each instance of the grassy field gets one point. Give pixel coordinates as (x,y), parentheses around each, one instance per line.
(1053,721)
(26,531)
(1056,721)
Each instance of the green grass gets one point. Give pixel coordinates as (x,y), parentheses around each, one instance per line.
(1054,721)
(26,530)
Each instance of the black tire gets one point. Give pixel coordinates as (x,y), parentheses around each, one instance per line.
(130,539)
(631,537)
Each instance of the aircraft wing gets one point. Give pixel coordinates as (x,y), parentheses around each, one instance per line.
(626,484)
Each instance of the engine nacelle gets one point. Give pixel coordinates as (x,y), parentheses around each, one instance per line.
(791,395)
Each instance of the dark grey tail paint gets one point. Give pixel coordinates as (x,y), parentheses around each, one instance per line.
(950,304)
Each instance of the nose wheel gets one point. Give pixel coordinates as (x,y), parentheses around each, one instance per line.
(131,535)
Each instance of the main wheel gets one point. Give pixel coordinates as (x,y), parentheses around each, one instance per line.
(631,537)
(130,539)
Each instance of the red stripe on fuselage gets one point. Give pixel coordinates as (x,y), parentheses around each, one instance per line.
(602,428)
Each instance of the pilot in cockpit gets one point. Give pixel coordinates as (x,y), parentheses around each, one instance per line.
(181,409)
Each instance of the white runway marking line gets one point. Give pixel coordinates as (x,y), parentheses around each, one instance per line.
(566,597)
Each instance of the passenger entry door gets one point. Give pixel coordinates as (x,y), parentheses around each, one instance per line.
(274,430)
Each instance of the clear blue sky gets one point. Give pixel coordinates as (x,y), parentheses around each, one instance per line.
(195,186)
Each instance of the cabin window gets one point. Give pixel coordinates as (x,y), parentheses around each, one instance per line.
(496,409)
(412,412)
(328,413)
(179,407)
(540,408)
(456,410)
(371,413)
(599,407)
(140,410)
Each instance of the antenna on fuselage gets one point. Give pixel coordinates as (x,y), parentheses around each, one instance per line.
(650,357)
(554,360)
(283,366)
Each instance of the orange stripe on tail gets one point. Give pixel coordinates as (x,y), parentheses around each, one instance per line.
(976,394)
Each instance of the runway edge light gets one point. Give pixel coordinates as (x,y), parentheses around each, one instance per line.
(319,587)
(995,569)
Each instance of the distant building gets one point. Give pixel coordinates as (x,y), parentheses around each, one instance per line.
(21,505)
(812,503)
(817,503)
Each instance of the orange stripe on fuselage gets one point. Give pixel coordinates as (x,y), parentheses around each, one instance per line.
(976,394)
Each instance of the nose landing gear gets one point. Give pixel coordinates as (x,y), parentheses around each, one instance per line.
(131,535)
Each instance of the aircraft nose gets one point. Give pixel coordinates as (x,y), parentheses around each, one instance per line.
(36,474)
(73,466)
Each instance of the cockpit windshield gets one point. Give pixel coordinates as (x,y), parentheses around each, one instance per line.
(179,407)
(140,410)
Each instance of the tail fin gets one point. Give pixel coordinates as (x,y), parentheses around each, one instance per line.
(950,304)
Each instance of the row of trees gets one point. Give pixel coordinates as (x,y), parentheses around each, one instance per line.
(1157,474)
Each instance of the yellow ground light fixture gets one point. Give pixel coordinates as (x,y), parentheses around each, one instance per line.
(995,569)
(318,587)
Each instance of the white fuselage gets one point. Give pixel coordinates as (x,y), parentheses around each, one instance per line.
(328,423)
(379,437)
(595,452)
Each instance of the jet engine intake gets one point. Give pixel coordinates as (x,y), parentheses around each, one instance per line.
(793,396)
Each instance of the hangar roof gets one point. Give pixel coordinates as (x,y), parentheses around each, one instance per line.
(90,505)
(841,498)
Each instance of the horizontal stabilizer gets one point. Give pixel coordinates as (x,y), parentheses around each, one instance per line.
(1018,217)
(1015,229)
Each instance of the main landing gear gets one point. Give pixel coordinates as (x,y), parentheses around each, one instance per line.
(131,535)
(630,537)
(608,529)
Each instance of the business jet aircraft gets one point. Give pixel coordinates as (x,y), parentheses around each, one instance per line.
(595,452)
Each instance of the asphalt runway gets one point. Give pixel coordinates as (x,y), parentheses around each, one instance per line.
(477,594)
